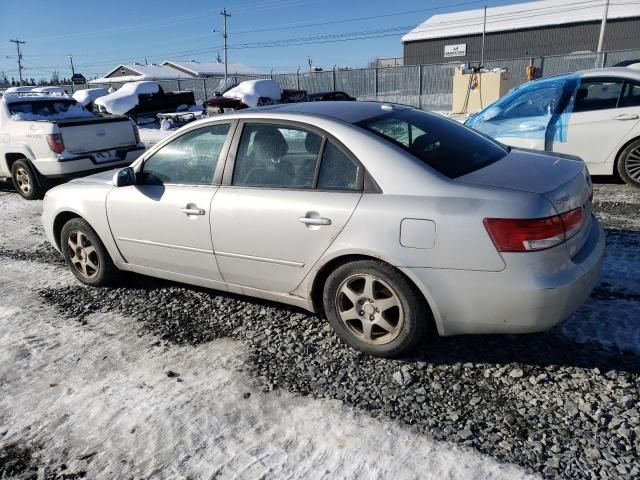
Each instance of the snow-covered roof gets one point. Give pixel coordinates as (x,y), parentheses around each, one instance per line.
(205,69)
(143,72)
(519,16)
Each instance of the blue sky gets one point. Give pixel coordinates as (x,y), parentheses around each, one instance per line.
(101,34)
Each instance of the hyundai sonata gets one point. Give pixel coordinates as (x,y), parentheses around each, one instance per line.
(390,221)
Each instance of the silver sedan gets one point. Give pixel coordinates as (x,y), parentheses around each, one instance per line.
(391,222)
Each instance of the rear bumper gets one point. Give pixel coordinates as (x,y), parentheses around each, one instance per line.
(523,298)
(68,167)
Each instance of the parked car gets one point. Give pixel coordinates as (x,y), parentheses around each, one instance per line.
(388,219)
(628,63)
(135,99)
(87,96)
(51,137)
(252,93)
(330,97)
(594,114)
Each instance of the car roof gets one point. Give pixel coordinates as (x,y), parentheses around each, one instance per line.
(351,112)
(624,72)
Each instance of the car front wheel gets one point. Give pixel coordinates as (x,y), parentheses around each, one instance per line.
(373,308)
(86,255)
(629,164)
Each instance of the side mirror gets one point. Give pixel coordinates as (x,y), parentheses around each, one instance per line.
(124,177)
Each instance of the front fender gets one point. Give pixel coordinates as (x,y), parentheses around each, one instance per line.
(87,201)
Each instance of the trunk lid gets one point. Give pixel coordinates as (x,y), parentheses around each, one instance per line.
(563,180)
(83,135)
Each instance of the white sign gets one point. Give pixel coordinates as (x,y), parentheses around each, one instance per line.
(459,50)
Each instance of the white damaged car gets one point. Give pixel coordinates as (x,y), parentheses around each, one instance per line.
(593,114)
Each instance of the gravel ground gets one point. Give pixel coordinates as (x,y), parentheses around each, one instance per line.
(561,404)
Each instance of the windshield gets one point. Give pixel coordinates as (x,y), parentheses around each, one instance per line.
(444,145)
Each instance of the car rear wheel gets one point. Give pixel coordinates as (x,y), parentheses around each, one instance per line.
(373,308)
(629,164)
(86,255)
(25,181)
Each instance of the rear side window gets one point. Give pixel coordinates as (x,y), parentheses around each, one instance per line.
(630,95)
(444,145)
(278,156)
(597,95)
(337,171)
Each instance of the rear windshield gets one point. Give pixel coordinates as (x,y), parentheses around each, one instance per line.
(33,110)
(446,146)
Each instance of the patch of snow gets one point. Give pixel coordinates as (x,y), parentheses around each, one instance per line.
(126,97)
(89,95)
(51,90)
(97,397)
(249,92)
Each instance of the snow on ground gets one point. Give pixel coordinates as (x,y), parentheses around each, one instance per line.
(98,399)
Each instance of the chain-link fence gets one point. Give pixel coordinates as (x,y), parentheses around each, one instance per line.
(425,86)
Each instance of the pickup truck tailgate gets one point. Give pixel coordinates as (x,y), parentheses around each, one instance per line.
(95,134)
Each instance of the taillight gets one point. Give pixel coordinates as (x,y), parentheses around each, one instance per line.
(56,144)
(136,133)
(527,235)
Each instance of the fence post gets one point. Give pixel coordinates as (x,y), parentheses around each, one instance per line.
(204,87)
(178,84)
(604,59)
(333,79)
(541,66)
(420,86)
(375,84)
(298,79)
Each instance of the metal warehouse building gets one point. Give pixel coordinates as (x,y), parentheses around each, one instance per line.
(548,27)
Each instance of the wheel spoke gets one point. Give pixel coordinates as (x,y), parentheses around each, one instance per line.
(368,287)
(91,263)
(89,249)
(384,324)
(366,331)
(350,294)
(351,314)
(387,303)
(73,245)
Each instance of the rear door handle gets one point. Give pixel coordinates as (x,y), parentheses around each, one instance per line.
(191,210)
(627,116)
(315,221)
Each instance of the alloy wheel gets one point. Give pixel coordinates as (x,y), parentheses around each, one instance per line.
(23,180)
(632,164)
(83,254)
(370,309)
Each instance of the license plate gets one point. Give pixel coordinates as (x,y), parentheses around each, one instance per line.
(103,157)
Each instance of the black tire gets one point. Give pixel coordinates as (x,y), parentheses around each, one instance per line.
(25,180)
(89,261)
(629,164)
(410,318)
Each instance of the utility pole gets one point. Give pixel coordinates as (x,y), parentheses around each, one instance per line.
(484,30)
(224,35)
(18,43)
(603,26)
(73,72)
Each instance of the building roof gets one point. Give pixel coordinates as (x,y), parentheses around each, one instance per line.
(208,69)
(143,72)
(519,16)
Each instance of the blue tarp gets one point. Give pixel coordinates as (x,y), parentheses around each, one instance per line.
(537,110)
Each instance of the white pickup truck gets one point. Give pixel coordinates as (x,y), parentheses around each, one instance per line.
(46,137)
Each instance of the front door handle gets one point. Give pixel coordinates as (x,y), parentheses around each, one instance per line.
(315,221)
(192,209)
(627,116)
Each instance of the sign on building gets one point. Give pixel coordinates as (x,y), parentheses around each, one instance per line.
(459,50)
